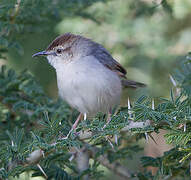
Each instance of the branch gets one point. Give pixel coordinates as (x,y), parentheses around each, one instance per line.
(114,167)
(15,11)
(37,155)
(88,134)
(82,159)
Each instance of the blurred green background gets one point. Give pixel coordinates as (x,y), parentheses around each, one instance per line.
(147,37)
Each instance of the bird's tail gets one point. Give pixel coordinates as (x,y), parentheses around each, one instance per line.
(131,84)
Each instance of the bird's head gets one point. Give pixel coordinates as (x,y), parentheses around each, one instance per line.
(63,49)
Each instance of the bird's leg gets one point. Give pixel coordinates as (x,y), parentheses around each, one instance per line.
(74,125)
(77,121)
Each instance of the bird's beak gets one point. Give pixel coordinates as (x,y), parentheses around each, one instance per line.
(43,53)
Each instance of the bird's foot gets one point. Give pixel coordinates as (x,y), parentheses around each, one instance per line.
(67,136)
(110,142)
(108,121)
(74,126)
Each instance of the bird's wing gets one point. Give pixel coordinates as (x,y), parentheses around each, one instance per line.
(107,60)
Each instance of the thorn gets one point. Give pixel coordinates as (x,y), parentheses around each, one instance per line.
(72,157)
(128,103)
(172,80)
(60,123)
(43,155)
(147,137)
(129,107)
(109,142)
(104,127)
(85,116)
(108,121)
(12,143)
(153,104)
(184,127)
(38,165)
(116,139)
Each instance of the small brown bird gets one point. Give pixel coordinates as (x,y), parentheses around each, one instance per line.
(88,78)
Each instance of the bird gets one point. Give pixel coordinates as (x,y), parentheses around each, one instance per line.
(89,79)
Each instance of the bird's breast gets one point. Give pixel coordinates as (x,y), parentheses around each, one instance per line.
(88,86)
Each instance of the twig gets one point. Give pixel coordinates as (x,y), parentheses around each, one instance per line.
(82,159)
(115,167)
(38,165)
(15,11)
(82,135)
(83,156)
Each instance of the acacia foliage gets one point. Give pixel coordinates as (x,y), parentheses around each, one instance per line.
(31,121)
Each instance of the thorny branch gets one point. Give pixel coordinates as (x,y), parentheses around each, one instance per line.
(88,134)
(83,155)
(116,167)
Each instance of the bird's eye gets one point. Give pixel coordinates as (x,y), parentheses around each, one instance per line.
(59,51)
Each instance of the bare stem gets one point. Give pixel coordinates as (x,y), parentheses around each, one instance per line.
(82,159)
(116,167)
